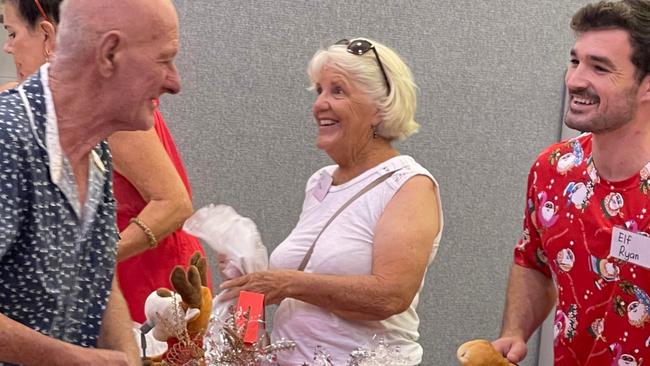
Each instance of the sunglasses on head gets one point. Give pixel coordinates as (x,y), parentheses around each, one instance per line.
(360,47)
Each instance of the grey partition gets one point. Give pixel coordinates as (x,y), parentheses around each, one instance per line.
(490,75)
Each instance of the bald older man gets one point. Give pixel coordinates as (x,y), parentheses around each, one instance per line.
(59,302)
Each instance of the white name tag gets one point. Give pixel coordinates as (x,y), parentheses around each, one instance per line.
(323,186)
(630,247)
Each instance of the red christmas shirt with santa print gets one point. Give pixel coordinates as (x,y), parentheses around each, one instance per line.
(603,312)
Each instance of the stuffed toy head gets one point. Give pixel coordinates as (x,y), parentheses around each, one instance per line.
(165,312)
(480,352)
(181,318)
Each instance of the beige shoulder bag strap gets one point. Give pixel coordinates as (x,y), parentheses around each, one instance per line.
(365,189)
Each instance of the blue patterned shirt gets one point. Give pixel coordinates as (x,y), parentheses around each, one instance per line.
(57,257)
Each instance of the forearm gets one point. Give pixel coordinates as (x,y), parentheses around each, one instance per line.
(530,297)
(22,345)
(150,170)
(367,297)
(163,217)
(117,327)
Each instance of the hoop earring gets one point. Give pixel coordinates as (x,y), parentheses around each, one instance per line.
(47,54)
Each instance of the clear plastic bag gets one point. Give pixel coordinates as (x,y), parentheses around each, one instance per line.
(230,234)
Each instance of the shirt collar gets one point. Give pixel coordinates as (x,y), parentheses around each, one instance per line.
(52,142)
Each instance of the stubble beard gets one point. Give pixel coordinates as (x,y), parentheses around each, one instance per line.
(607,122)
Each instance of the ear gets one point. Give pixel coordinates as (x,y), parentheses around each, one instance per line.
(644,89)
(163,292)
(49,32)
(110,47)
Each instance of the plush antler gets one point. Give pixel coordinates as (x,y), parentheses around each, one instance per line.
(191,286)
(188,285)
(201,264)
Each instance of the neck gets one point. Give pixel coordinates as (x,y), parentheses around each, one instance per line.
(352,165)
(81,124)
(621,153)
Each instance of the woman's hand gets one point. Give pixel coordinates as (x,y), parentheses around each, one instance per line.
(274,285)
(226,269)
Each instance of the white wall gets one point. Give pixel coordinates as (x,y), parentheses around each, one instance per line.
(7,68)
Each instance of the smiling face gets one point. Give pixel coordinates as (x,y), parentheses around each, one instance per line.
(26,45)
(344,114)
(601,82)
(151,70)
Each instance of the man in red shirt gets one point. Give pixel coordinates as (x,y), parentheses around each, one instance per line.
(586,240)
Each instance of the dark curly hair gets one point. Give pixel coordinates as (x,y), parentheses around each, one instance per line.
(632,16)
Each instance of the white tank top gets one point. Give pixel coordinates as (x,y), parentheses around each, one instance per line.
(344,248)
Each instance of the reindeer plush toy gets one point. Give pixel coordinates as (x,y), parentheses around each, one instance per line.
(180,318)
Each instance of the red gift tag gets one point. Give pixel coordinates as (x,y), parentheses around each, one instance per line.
(250,308)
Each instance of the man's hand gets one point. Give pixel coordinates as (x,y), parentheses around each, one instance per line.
(512,348)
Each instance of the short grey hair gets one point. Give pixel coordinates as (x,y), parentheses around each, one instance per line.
(397,109)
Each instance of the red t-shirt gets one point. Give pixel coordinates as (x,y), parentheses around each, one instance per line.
(144,273)
(603,312)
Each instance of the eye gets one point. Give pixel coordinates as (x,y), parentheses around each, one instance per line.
(12,35)
(574,62)
(601,69)
(337,90)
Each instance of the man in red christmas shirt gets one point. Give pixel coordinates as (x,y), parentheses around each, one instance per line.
(586,241)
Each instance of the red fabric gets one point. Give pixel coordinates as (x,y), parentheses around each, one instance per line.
(567,232)
(146,272)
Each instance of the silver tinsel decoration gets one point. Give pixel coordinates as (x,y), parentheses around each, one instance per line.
(378,354)
(224,345)
(321,358)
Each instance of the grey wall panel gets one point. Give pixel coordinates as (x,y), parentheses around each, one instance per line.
(490,76)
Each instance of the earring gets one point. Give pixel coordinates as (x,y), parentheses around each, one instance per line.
(46,53)
(374,132)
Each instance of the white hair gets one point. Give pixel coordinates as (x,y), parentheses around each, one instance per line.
(397,108)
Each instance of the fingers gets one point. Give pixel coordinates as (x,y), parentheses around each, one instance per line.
(228,295)
(517,352)
(235,282)
(501,345)
(513,349)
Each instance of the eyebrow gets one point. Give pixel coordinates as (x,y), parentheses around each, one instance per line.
(600,59)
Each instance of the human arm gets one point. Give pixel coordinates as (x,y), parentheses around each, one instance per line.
(8,85)
(401,248)
(25,346)
(117,327)
(152,173)
(530,297)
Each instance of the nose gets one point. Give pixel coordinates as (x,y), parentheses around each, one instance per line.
(575,78)
(321,103)
(6,47)
(173,81)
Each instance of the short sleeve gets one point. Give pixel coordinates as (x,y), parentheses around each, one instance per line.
(529,251)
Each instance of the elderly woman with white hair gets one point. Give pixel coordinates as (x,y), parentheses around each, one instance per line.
(354,265)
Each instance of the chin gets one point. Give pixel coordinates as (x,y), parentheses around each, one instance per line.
(579,124)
